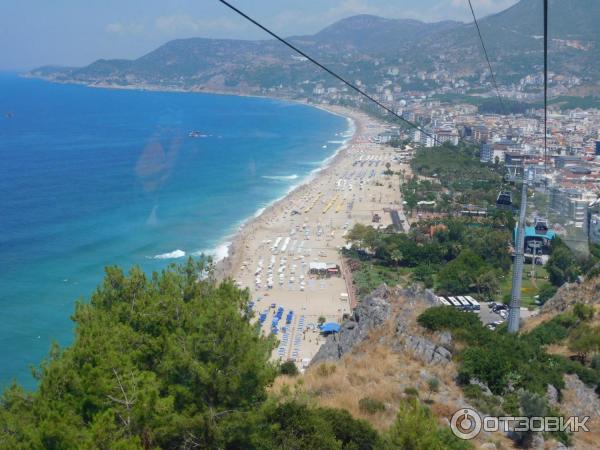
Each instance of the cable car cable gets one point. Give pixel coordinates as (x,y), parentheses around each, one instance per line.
(329,71)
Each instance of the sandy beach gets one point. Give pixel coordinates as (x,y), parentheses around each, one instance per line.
(272,255)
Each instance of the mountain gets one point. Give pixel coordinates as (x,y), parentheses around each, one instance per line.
(513,38)
(372,34)
(367,47)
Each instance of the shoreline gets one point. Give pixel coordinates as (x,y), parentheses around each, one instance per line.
(289,256)
(226,266)
(155,88)
(229,242)
(310,221)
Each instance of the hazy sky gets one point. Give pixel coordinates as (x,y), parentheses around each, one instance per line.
(77,32)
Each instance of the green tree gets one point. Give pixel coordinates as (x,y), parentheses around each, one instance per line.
(424,273)
(293,425)
(363,236)
(153,363)
(487,284)
(459,275)
(562,266)
(396,256)
(411,202)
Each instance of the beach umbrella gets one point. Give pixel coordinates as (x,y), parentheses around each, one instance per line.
(330,327)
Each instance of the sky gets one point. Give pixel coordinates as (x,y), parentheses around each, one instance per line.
(77,32)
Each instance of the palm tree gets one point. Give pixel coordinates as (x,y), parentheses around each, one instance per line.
(396,256)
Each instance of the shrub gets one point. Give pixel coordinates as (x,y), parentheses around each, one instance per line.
(583,311)
(288,368)
(285,425)
(424,273)
(411,391)
(447,318)
(512,404)
(546,293)
(324,370)
(416,428)
(354,434)
(553,330)
(370,405)
(433,384)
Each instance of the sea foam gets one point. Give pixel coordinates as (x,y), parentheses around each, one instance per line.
(170,255)
(281,177)
(218,253)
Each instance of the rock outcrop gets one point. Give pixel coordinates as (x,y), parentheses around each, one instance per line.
(373,311)
(426,350)
(580,400)
(587,291)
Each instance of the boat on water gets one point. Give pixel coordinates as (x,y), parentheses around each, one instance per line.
(197,134)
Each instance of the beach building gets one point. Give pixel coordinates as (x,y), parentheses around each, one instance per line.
(324,269)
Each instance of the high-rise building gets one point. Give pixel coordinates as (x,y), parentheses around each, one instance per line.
(487,154)
(597,148)
(594,228)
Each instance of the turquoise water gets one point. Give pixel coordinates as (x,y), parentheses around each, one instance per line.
(92,177)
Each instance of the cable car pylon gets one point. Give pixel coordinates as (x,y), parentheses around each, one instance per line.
(514,307)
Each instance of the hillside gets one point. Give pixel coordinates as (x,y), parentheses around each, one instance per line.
(169,362)
(387,353)
(366,47)
(514,39)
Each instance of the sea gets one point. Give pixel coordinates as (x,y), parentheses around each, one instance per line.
(94,177)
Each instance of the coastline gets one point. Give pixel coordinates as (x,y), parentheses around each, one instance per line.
(229,243)
(347,187)
(289,256)
(226,267)
(155,88)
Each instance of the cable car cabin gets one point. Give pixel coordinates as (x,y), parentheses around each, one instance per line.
(504,200)
(541,226)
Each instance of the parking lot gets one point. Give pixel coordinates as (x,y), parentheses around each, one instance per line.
(488,316)
(491,314)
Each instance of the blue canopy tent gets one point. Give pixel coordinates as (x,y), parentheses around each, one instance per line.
(330,327)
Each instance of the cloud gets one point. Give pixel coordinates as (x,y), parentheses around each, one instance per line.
(124,29)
